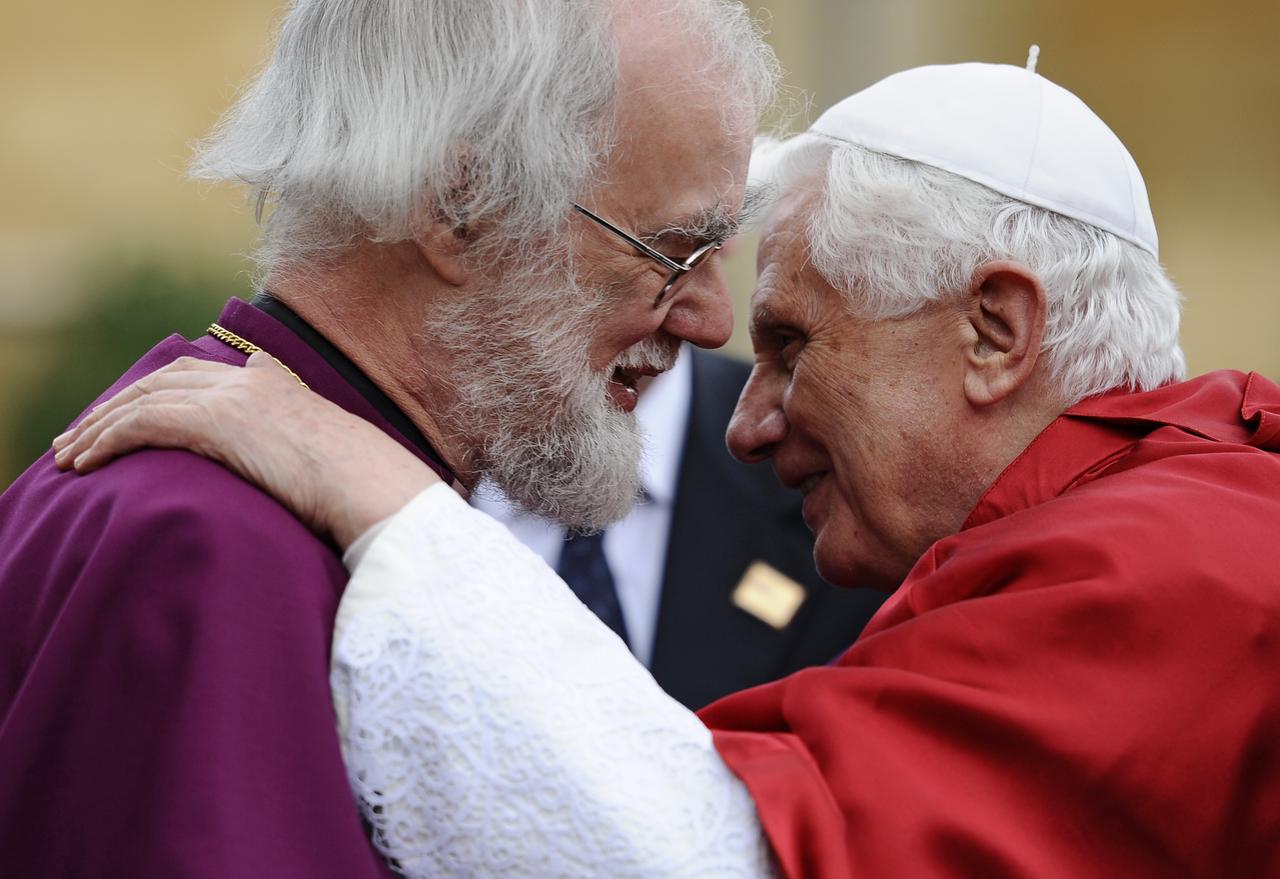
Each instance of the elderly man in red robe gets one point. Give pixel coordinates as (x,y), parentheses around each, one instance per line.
(486,221)
(967,358)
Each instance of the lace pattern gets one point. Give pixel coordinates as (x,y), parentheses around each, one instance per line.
(492,726)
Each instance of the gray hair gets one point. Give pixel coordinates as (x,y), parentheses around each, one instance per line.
(894,235)
(373,118)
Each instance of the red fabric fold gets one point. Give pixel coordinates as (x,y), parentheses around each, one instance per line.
(1261,409)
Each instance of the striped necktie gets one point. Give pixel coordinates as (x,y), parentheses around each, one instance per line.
(583,566)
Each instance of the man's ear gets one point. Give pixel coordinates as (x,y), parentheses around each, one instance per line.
(1006,313)
(443,247)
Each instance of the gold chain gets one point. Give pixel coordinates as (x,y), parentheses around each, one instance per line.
(222,334)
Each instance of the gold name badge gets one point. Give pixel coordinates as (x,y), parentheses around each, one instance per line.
(768,595)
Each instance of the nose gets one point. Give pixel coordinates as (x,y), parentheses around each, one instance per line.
(701,311)
(758,424)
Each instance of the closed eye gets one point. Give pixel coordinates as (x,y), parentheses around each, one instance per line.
(787,343)
(791,350)
(680,247)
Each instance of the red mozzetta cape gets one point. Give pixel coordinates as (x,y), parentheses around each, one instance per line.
(1085,681)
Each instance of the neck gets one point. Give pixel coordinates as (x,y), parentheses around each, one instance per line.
(375,323)
(1003,432)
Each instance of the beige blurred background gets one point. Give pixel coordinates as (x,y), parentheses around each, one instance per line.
(101,103)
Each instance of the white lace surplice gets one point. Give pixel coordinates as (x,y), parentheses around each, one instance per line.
(492,726)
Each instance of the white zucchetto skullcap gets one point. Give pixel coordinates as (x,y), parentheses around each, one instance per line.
(1010,130)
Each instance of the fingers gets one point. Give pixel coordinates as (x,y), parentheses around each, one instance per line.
(152,422)
(68,447)
(183,373)
(175,407)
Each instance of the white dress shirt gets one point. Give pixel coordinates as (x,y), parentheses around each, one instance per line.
(636,547)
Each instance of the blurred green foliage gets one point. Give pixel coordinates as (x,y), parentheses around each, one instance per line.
(130,310)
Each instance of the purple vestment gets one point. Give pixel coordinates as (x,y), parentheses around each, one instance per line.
(164,650)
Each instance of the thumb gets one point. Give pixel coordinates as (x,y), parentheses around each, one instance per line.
(263,360)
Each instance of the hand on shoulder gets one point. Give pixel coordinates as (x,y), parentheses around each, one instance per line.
(335,471)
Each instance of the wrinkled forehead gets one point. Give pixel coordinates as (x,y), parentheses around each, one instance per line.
(788,211)
(676,156)
(673,117)
(787,284)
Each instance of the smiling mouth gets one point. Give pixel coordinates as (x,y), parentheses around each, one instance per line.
(810,511)
(810,483)
(805,484)
(623,383)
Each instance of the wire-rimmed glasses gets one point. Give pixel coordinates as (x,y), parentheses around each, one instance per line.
(678,269)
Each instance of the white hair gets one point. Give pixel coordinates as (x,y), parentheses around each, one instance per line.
(894,235)
(373,118)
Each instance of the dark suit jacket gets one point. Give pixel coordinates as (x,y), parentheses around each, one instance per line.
(728,515)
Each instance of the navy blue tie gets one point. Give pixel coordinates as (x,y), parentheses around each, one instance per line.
(583,566)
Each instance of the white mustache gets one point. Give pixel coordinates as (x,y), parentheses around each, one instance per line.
(651,353)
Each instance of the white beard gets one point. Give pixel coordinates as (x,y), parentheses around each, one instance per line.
(539,423)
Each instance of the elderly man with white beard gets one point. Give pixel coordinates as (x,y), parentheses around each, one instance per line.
(486,220)
(967,357)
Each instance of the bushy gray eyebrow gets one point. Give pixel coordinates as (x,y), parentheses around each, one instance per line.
(714,223)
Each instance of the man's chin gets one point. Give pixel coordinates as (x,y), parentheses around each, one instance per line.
(840,566)
(583,479)
(584,510)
